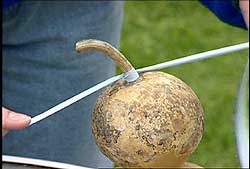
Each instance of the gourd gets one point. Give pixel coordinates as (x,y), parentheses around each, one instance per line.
(155,121)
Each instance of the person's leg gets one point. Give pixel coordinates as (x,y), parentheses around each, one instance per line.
(41,69)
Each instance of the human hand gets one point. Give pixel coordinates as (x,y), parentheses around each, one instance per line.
(244,6)
(12,120)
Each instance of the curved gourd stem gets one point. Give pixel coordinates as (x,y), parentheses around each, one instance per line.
(92,44)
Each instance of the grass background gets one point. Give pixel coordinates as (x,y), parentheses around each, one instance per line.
(159,31)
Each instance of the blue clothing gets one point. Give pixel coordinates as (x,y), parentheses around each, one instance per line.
(226,11)
(41,69)
(10,3)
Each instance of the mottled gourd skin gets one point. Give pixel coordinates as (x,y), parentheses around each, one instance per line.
(155,120)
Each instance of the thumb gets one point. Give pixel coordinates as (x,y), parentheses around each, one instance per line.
(13,120)
(244,6)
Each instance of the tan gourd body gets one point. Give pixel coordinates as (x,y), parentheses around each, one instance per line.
(155,121)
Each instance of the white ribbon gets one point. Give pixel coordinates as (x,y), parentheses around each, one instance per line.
(74,99)
(133,75)
(38,163)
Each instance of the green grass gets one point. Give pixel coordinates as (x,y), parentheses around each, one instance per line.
(155,32)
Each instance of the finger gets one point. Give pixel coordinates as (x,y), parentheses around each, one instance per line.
(244,6)
(13,120)
(4,132)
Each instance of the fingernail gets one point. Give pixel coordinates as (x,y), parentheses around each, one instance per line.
(18,117)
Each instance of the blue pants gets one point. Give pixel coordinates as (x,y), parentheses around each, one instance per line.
(41,69)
